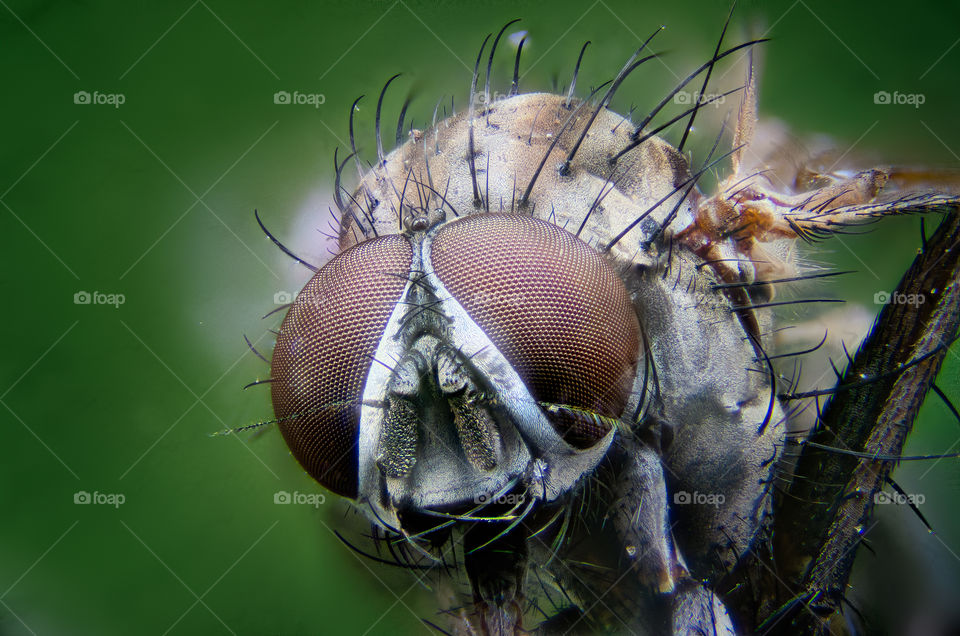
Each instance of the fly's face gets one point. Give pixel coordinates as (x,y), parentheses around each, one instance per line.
(541,354)
(431,369)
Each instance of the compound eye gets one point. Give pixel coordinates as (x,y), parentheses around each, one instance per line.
(555,309)
(324,351)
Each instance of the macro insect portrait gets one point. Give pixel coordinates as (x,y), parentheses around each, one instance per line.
(416,317)
(543,363)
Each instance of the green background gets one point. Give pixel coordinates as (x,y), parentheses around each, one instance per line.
(154,200)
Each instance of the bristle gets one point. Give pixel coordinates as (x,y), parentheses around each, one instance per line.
(526,193)
(673,212)
(381,158)
(777,281)
(515,84)
(282,247)
(679,87)
(477,200)
(656,205)
(804,352)
(946,400)
(871,379)
(780,303)
(403,114)
(353,141)
(706,80)
(493,49)
(639,140)
(628,68)
(253,349)
(576,71)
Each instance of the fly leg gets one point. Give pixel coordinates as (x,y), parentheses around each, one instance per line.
(680,605)
(641,518)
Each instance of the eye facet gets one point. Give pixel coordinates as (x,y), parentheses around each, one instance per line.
(553,306)
(324,352)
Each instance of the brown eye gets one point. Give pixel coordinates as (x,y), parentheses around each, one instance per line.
(553,306)
(324,351)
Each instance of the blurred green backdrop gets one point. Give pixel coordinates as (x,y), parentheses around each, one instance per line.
(153,198)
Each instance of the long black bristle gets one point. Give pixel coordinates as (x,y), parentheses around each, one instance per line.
(805,351)
(625,72)
(515,84)
(282,247)
(656,205)
(576,71)
(257,383)
(946,400)
(636,142)
(353,139)
(338,188)
(477,201)
(380,156)
(493,49)
(777,281)
(758,346)
(779,303)
(910,502)
(673,213)
(338,170)
(403,114)
(706,79)
(878,457)
(679,87)
(526,194)
(869,380)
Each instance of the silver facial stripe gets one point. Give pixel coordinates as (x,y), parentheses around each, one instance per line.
(389,351)
(441,476)
(512,393)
